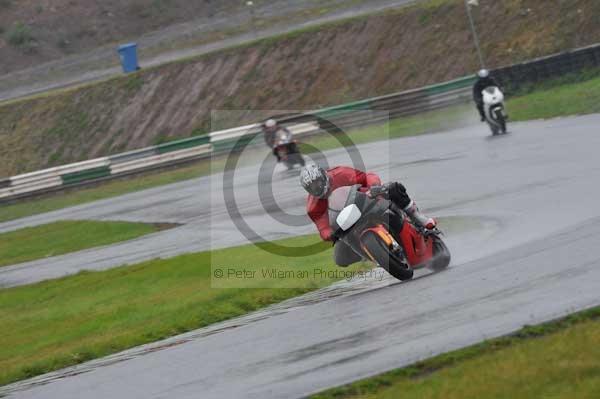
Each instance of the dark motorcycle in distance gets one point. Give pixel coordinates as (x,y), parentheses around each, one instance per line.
(495,112)
(378,230)
(287,149)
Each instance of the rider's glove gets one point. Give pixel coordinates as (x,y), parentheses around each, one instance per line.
(378,191)
(398,195)
(335,236)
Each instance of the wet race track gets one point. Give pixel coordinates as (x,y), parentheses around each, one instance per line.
(531,253)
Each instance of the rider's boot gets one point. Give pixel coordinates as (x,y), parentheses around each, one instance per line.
(481,111)
(276,153)
(417,217)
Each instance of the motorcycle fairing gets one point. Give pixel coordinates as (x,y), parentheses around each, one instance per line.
(417,249)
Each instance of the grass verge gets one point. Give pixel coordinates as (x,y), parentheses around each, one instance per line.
(575,98)
(62,237)
(558,359)
(561,100)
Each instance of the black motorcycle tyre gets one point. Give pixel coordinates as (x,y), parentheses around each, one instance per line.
(441,255)
(385,258)
(502,123)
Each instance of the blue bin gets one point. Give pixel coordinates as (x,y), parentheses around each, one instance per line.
(128,55)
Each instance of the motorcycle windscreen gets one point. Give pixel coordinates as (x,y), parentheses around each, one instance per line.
(337,201)
(348,217)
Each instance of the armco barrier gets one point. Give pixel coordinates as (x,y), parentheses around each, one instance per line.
(32,187)
(4,183)
(160,160)
(58,171)
(85,175)
(345,116)
(132,155)
(182,144)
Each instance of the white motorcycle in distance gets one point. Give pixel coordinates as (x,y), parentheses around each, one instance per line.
(495,113)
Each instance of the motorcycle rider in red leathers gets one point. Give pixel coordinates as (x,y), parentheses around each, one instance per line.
(320,183)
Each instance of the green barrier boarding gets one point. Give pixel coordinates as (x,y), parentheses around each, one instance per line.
(227,145)
(89,174)
(361,105)
(182,144)
(451,85)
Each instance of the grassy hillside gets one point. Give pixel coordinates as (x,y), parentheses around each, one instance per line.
(339,62)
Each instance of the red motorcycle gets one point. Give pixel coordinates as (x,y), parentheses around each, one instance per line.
(378,230)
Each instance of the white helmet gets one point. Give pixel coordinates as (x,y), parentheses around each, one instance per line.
(270,123)
(315,180)
(483,73)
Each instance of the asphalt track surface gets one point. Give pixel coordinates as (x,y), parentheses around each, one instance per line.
(532,257)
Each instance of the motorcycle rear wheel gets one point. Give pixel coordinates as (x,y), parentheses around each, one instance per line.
(441,255)
(297,158)
(385,258)
(502,123)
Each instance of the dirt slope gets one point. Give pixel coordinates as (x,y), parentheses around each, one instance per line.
(337,63)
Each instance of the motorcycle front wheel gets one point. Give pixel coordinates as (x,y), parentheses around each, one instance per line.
(384,257)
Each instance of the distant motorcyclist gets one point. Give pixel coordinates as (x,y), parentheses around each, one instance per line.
(484,80)
(270,130)
(320,183)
